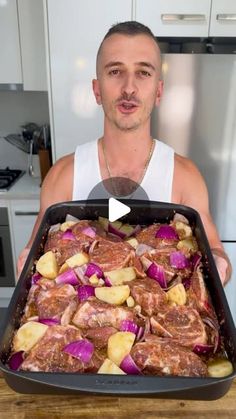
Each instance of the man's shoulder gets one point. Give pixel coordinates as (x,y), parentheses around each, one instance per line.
(185,166)
(64,165)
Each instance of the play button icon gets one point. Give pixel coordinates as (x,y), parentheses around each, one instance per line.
(117,209)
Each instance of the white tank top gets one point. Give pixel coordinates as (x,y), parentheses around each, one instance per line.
(157,182)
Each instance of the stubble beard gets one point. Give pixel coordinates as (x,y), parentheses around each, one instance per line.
(131,124)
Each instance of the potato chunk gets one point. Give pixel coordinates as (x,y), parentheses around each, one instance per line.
(47,265)
(113,295)
(28,335)
(63,268)
(108,367)
(177,294)
(119,276)
(119,345)
(183,229)
(67,224)
(133,242)
(220,368)
(77,260)
(188,245)
(126,229)
(105,222)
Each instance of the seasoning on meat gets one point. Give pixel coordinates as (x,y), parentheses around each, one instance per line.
(182,323)
(148,294)
(164,357)
(94,313)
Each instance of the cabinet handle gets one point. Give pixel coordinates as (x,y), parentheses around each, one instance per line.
(226,17)
(26,213)
(169,18)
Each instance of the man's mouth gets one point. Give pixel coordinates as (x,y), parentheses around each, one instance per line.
(127,107)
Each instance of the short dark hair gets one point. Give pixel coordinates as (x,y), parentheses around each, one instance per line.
(130,28)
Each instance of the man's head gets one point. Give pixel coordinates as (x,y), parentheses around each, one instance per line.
(128,81)
(129,28)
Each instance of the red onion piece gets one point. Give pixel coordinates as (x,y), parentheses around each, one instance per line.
(129,326)
(140,333)
(166,232)
(136,230)
(54,227)
(107,282)
(16,360)
(92,247)
(186,283)
(114,230)
(214,326)
(92,269)
(80,272)
(49,322)
(35,278)
(195,260)
(202,349)
(157,272)
(82,349)
(85,291)
(178,260)
(128,365)
(143,248)
(68,235)
(145,262)
(89,231)
(67,277)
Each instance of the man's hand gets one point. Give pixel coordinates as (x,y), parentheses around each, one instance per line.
(21,260)
(223,265)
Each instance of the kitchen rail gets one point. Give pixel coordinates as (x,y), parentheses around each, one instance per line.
(21,406)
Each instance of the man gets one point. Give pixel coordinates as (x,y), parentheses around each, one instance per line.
(128,86)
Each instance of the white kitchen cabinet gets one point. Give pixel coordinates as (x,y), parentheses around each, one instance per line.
(10,68)
(175,18)
(75,31)
(23,216)
(223,18)
(32,39)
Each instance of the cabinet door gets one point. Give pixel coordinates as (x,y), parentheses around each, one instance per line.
(223,18)
(23,217)
(230,289)
(175,18)
(75,31)
(10,68)
(32,38)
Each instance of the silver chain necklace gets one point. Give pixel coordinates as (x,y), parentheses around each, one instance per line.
(114,188)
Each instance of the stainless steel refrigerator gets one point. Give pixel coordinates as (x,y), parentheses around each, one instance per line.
(197,116)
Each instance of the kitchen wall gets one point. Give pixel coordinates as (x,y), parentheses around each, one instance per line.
(16,109)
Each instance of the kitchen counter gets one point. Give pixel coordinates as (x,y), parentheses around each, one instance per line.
(26,187)
(20,406)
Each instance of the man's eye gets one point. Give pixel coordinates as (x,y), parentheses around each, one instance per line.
(114,72)
(145,73)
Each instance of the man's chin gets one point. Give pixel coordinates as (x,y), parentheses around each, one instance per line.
(127,127)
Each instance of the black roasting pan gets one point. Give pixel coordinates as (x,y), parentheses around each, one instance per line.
(142,212)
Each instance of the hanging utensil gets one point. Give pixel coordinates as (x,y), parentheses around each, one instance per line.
(30,159)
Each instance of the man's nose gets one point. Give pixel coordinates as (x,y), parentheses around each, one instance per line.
(129,86)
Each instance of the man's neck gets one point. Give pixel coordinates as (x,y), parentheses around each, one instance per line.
(125,147)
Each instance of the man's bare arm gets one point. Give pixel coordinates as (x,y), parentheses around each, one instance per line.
(194,194)
(57,187)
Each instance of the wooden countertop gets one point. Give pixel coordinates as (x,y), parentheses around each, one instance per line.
(21,406)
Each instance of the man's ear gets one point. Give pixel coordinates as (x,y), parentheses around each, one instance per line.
(159,92)
(96,91)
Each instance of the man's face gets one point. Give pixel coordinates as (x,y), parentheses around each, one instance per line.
(128,84)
